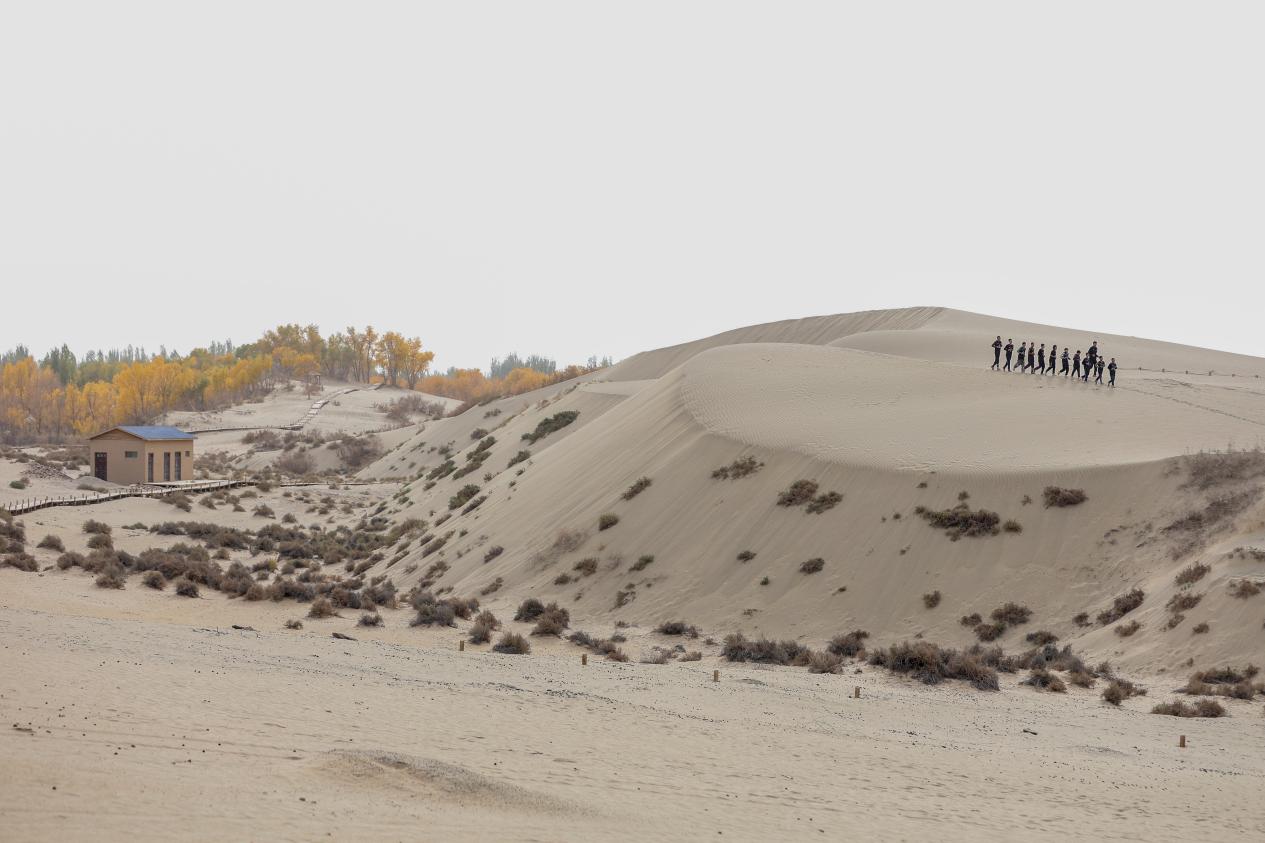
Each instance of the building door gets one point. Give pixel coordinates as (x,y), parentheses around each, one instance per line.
(149,468)
(178,477)
(167,467)
(98,469)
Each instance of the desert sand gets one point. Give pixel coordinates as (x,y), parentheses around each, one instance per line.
(137,713)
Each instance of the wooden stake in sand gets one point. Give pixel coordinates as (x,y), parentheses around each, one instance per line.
(584,658)
(1181,742)
(461,646)
(856,692)
(715,675)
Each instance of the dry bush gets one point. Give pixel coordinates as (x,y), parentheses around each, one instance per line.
(463,607)
(1081,678)
(800,492)
(529,610)
(962,521)
(636,488)
(691,656)
(746,556)
(51,542)
(606,521)
(737,648)
(586,567)
(1200,629)
(824,661)
(154,580)
(96,527)
(677,628)
(1120,690)
(1191,574)
(1203,708)
(552,621)
(111,577)
(554,423)
(186,587)
(431,611)
(1011,614)
(990,631)
(1010,525)
(1121,606)
(356,452)
(1055,496)
(370,619)
(848,644)
(481,633)
(512,643)
(464,495)
(321,608)
(656,655)
(1041,637)
(823,502)
(1081,619)
(1214,468)
(296,463)
(492,553)
(739,468)
(100,541)
(1244,589)
(492,587)
(263,511)
(932,664)
(1124,630)
(972,620)
(1183,602)
(294,623)
(21,561)
(931,599)
(642,562)
(812,566)
(1044,680)
(1218,509)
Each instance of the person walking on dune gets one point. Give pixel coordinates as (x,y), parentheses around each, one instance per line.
(1010,352)
(1054,354)
(997,353)
(1098,371)
(1111,367)
(1032,355)
(1076,364)
(1066,361)
(1040,369)
(1023,355)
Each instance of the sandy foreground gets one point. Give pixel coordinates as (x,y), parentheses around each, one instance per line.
(140,715)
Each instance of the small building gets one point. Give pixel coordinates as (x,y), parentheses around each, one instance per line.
(132,454)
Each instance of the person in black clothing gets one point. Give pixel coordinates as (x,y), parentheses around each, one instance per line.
(1032,355)
(1054,353)
(997,352)
(1023,354)
(1040,369)
(1111,367)
(1010,350)
(1066,359)
(1076,364)
(1098,370)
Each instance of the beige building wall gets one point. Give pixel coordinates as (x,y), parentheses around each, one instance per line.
(127,458)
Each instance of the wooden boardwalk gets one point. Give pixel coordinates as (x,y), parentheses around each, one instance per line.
(150,491)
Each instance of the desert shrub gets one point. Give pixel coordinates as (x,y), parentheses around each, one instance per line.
(642,562)
(180,501)
(70,559)
(962,521)
(96,528)
(463,496)
(1244,589)
(492,587)
(990,631)
(370,619)
(431,611)
(356,452)
(973,619)
(606,521)
(677,628)
(800,492)
(294,623)
(493,552)
(1124,630)
(480,632)
(1214,468)
(746,556)
(1081,678)
(478,433)
(321,608)
(111,577)
(1191,574)
(1183,601)
(739,468)
(552,621)
(295,463)
(186,587)
(1121,606)
(586,567)
(512,643)
(1203,708)
(1201,628)
(1012,526)
(1055,496)
(824,661)
(521,456)
(848,644)
(100,541)
(931,599)
(812,566)
(529,610)
(1120,690)
(20,483)
(1081,619)
(154,580)
(693,656)
(1044,680)
(656,655)
(263,511)
(1218,508)
(21,561)
(636,488)
(823,502)
(51,542)
(1011,614)
(932,664)
(737,648)
(1041,637)
(554,423)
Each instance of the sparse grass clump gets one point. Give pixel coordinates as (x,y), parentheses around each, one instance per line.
(1121,606)
(932,664)
(1202,708)
(962,521)
(606,521)
(812,566)
(739,468)
(636,488)
(1010,525)
(512,643)
(931,599)
(1055,496)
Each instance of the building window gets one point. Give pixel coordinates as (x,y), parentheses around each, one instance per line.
(188,453)
(131,455)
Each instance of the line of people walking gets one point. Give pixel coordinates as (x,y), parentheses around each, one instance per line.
(1033,359)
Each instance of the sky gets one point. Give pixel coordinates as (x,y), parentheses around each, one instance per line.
(593,178)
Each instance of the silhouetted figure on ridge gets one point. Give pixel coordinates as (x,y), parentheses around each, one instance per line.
(997,353)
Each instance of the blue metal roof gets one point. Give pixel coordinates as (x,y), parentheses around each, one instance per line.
(155,432)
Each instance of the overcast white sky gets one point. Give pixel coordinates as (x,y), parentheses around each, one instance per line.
(600,178)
